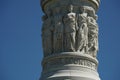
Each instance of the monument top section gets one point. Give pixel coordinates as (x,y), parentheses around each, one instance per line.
(70,39)
(94,3)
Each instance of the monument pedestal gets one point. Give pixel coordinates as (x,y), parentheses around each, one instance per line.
(70,66)
(70,40)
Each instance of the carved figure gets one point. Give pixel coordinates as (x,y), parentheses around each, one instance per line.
(91,12)
(58,31)
(47,37)
(82,33)
(58,34)
(70,30)
(92,36)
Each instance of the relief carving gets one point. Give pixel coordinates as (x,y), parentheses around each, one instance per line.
(47,36)
(70,40)
(92,36)
(69,21)
(70,32)
(82,33)
(58,34)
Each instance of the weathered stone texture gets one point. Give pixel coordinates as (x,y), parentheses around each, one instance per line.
(70,39)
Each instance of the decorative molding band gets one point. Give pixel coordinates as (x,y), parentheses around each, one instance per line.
(44,2)
(70,58)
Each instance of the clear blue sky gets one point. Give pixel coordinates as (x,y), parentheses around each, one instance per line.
(20,40)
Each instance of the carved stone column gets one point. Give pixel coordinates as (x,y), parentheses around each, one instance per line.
(70,40)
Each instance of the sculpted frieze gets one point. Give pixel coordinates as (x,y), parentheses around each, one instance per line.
(73,31)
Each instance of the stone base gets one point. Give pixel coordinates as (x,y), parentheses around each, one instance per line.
(70,66)
(83,74)
(71,75)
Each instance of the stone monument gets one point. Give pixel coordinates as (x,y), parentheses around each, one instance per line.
(70,40)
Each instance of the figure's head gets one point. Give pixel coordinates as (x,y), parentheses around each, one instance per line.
(70,8)
(71,17)
(83,9)
(90,12)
